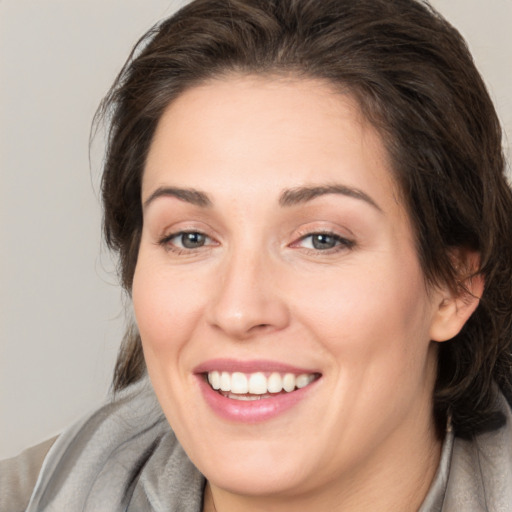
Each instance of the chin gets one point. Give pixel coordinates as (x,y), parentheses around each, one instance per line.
(256,478)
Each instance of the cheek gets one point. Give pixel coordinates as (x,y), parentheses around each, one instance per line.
(371,320)
(374,328)
(166,312)
(166,308)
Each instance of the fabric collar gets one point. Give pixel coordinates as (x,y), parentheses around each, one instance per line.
(125,457)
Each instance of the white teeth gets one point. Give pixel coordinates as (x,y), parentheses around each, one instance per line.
(257,384)
(289,382)
(214,380)
(240,384)
(275,383)
(245,398)
(303,380)
(225,381)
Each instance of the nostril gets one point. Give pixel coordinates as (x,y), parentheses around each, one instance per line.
(261,327)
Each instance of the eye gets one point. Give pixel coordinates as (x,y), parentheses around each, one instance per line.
(186,240)
(324,242)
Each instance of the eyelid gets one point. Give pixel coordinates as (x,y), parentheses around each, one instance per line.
(164,230)
(165,241)
(344,242)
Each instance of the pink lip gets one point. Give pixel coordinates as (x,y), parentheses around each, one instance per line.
(258,365)
(253,411)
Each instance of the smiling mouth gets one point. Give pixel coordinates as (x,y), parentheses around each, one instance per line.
(258,385)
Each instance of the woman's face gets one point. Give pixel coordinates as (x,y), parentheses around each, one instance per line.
(276,252)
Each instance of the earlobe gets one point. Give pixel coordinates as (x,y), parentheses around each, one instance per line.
(454,309)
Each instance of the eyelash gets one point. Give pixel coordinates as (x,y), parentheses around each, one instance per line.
(166,242)
(340,243)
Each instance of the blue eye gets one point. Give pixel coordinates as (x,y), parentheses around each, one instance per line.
(187,240)
(324,241)
(192,240)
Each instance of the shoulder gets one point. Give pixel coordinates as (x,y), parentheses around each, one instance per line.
(114,458)
(19,475)
(480,476)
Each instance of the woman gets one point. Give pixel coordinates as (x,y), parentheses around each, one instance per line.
(309,204)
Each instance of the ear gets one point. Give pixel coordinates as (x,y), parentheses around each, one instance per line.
(452,308)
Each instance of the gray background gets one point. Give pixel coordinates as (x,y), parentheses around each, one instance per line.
(61,312)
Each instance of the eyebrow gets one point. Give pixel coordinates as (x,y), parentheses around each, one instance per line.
(290,197)
(189,195)
(300,195)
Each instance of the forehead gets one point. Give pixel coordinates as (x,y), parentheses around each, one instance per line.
(281,132)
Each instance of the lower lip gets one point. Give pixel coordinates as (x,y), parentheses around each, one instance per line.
(251,411)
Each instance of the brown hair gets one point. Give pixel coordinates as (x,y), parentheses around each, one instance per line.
(415,81)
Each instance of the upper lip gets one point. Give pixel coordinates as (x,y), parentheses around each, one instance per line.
(252,366)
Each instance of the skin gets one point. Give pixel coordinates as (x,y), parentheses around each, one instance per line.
(358,312)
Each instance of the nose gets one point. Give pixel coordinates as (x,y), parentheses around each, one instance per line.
(247,300)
